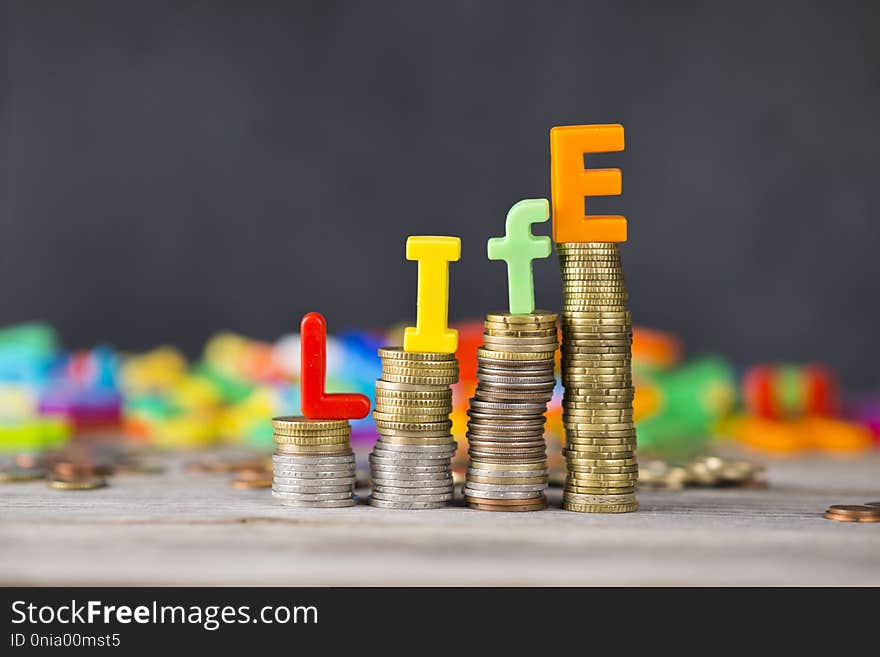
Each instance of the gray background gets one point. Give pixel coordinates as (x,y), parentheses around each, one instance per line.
(171,169)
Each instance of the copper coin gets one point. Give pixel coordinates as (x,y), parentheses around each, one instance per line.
(73,470)
(853,513)
(508,509)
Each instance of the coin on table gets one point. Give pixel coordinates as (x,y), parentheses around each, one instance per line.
(16,474)
(79,483)
(853,513)
(320,504)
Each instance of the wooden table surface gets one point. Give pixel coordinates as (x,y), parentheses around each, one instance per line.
(178,528)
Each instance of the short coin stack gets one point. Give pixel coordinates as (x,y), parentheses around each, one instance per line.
(313,465)
(597,375)
(507,470)
(410,464)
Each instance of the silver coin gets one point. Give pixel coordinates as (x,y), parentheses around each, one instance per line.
(508,395)
(512,440)
(406,458)
(409,476)
(502,416)
(306,461)
(490,389)
(327,481)
(500,431)
(510,488)
(422,449)
(324,504)
(517,379)
(500,495)
(407,482)
(519,365)
(407,506)
(391,435)
(403,469)
(410,458)
(313,475)
(428,449)
(393,497)
(385,489)
(313,490)
(490,392)
(501,406)
(392,463)
(329,495)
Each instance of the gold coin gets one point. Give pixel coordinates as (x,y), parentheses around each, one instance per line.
(415,371)
(538,316)
(288,423)
(592,490)
(426,440)
(79,483)
(486,465)
(392,401)
(573,403)
(506,355)
(384,389)
(600,508)
(576,290)
(583,424)
(522,333)
(520,341)
(16,474)
(341,439)
(313,450)
(420,380)
(606,487)
(599,453)
(571,459)
(582,309)
(414,426)
(549,347)
(397,353)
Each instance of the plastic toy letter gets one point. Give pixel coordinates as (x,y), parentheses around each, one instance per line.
(518,248)
(314,402)
(431,334)
(570,182)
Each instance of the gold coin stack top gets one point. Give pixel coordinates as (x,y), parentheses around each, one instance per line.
(507,470)
(313,464)
(410,466)
(597,410)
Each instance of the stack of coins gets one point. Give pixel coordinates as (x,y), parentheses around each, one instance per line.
(410,464)
(597,374)
(313,464)
(507,470)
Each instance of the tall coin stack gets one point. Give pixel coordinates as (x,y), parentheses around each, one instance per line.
(410,464)
(313,464)
(600,451)
(507,470)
